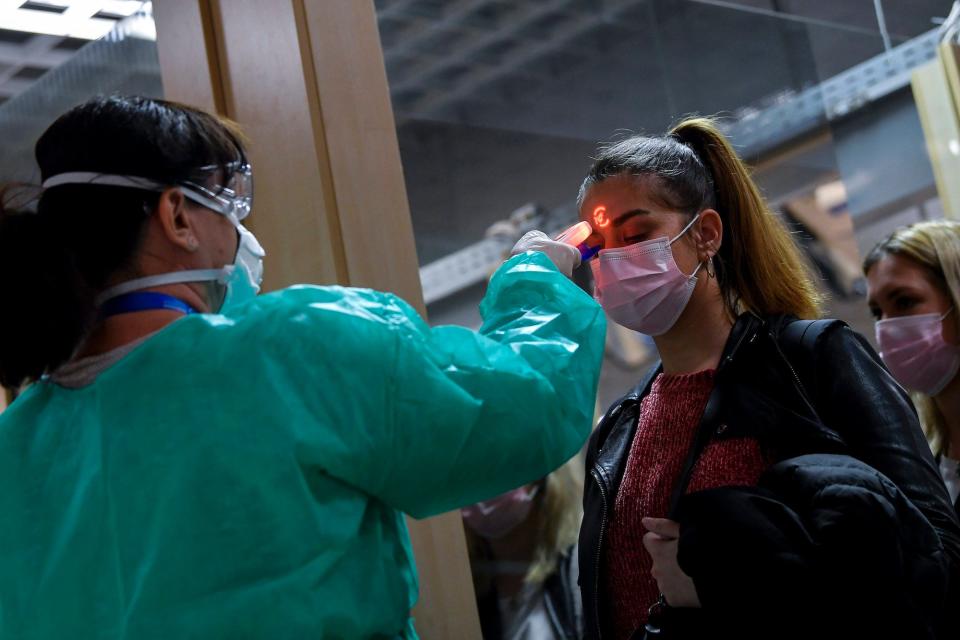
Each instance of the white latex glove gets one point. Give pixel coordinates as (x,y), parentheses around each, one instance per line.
(566,258)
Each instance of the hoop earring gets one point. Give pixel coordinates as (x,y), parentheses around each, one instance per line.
(711,269)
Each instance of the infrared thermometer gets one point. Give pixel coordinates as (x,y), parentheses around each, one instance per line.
(576,236)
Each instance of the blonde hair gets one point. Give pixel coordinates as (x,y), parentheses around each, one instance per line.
(934,245)
(558,511)
(759,268)
(561,511)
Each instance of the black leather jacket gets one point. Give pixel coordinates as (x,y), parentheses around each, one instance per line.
(835,397)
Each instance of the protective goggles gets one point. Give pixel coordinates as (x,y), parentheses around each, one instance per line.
(233,200)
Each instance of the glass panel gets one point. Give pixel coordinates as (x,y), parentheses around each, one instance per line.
(124,61)
(500,105)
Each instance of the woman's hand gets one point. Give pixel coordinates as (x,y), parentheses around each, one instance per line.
(661,542)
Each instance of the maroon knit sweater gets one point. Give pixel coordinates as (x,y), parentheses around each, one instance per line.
(669,416)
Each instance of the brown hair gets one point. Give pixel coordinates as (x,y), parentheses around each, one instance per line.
(759,267)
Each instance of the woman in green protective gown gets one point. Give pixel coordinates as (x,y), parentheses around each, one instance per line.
(190,459)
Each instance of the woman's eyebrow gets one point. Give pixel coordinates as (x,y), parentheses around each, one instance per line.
(629,214)
(890,294)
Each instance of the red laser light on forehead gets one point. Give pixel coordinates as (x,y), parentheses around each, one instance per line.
(600,217)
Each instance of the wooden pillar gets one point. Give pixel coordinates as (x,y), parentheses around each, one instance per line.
(306,81)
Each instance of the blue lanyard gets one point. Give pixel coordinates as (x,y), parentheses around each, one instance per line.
(144,301)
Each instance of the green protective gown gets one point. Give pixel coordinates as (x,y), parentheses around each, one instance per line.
(246,477)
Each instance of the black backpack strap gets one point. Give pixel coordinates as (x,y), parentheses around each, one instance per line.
(799,339)
(802,335)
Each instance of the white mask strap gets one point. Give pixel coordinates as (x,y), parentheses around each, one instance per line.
(685,229)
(89,177)
(174,277)
(113,180)
(679,235)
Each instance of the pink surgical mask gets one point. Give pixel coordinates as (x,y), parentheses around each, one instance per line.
(498,516)
(641,287)
(916,353)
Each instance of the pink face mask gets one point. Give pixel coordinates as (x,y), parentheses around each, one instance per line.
(916,353)
(498,516)
(641,287)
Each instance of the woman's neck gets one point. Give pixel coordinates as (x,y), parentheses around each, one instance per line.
(948,402)
(697,340)
(119,330)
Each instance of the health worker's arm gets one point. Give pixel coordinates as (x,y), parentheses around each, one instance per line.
(455,416)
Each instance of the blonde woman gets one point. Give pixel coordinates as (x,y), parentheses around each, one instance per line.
(523,555)
(769,478)
(914,285)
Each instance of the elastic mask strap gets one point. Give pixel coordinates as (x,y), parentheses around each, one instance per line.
(949,311)
(685,229)
(679,235)
(137,182)
(174,277)
(112,180)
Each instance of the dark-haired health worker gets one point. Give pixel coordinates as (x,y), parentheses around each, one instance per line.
(191,460)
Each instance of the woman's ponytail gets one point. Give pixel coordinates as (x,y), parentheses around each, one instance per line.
(47,306)
(760,268)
